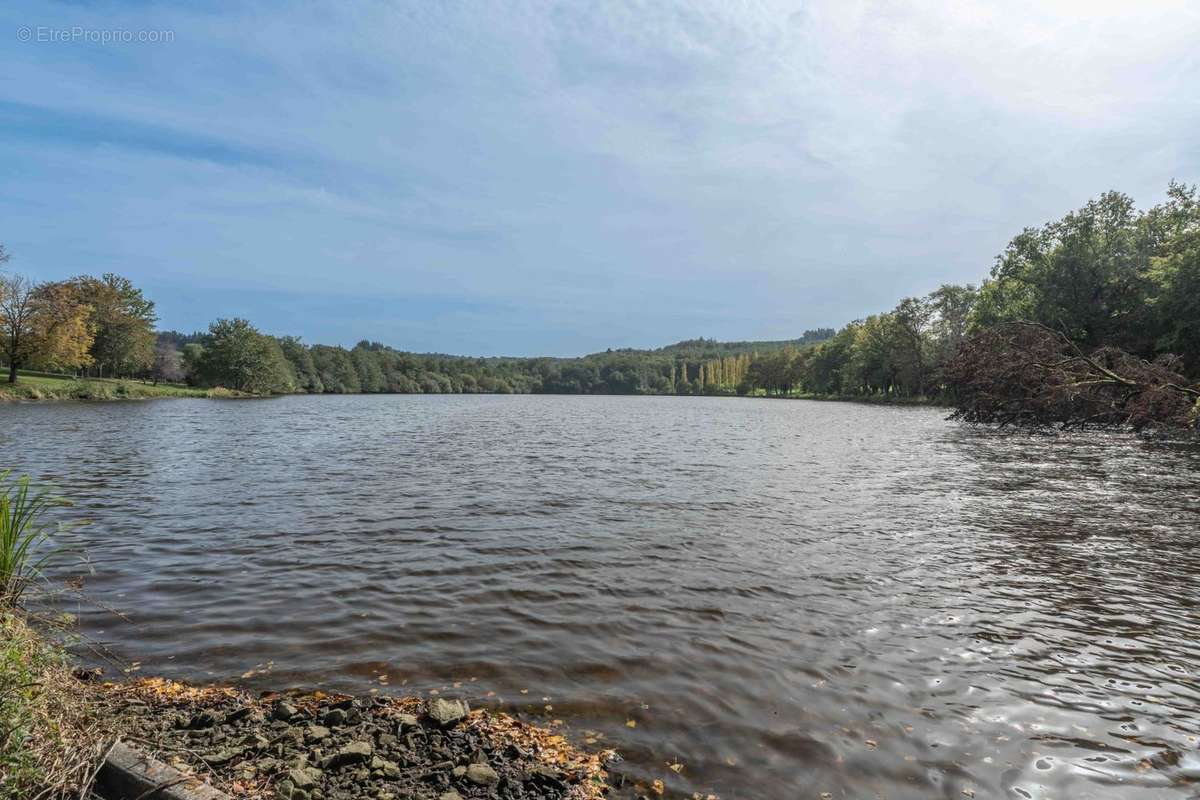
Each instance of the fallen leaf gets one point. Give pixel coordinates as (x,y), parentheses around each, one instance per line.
(658,787)
(631,723)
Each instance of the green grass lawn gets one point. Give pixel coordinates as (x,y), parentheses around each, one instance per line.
(40,386)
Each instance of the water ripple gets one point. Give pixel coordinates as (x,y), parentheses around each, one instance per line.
(784,597)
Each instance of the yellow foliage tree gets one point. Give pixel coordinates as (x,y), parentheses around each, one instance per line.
(42,324)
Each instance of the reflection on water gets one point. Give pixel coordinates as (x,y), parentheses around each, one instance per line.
(787,598)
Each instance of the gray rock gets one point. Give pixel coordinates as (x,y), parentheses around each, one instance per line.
(450,795)
(458,772)
(284,711)
(335,718)
(224,757)
(315,733)
(388,768)
(257,741)
(286,791)
(408,722)
(353,753)
(482,775)
(446,712)
(304,778)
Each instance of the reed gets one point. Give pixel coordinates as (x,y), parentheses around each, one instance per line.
(24,534)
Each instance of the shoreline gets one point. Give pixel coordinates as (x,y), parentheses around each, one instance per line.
(312,745)
(115,390)
(278,745)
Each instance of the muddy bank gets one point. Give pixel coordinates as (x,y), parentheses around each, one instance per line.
(315,746)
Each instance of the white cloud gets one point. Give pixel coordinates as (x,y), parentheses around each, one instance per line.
(760,159)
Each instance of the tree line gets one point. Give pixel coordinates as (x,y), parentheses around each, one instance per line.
(1108,283)
(104,327)
(1094,316)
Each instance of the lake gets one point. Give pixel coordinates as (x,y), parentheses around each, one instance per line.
(789,599)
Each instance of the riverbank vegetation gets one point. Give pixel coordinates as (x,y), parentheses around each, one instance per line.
(51,730)
(54,728)
(1111,283)
(35,386)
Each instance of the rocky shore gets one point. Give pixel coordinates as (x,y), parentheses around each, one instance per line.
(315,746)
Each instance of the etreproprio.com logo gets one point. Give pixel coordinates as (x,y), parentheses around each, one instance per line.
(80,34)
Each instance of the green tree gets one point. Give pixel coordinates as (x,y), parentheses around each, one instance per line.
(336,369)
(1175,271)
(909,347)
(308,378)
(1085,275)
(238,357)
(367,366)
(123,322)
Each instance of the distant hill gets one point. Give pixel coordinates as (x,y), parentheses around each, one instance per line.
(711,347)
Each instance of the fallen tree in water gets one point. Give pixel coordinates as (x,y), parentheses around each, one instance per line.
(1027,374)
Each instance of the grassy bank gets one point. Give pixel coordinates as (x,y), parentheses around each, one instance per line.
(48,387)
(54,729)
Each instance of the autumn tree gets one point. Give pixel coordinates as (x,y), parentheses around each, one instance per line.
(43,325)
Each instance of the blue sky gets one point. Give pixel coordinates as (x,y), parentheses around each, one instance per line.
(558,178)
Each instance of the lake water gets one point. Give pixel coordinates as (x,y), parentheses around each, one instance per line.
(786,598)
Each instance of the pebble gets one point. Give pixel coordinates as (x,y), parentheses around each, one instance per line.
(353,753)
(447,712)
(284,711)
(482,775)
(304,778)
